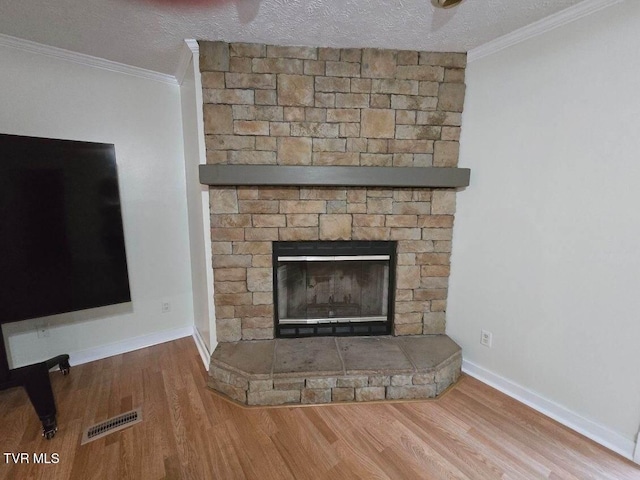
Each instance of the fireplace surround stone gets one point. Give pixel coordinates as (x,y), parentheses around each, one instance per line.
(270,105)
(245,222)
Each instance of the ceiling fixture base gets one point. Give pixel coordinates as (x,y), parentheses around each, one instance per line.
(446,3)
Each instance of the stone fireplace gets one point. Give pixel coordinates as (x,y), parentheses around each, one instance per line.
(303,106)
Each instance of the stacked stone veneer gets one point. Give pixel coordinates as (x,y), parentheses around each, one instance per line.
(259,390)
(322,106)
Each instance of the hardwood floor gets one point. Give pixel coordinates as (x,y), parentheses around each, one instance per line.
(472,432)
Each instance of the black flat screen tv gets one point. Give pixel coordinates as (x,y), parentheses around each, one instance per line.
(61,237)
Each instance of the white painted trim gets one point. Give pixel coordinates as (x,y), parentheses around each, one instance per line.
(590,429)
(128,345)
(82,59)
(190,58)
(582,9)
(190,48)
(206,217)
(636,454)
(202,348)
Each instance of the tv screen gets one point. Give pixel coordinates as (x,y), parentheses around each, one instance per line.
(61,236)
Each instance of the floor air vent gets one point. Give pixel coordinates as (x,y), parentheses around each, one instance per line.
(114,424)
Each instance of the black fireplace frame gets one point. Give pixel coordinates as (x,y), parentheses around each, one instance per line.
(335,248)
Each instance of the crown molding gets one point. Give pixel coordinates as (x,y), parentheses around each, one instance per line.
(551,22)
(190,48)
(82,59)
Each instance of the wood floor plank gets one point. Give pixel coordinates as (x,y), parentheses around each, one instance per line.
(417,451)
(222,457)
(322,427)
(189,432)
(513,436)
(449,442)
(551,430)
(520,455)
(344,470)
(304,457)
(257,455)
(486,446)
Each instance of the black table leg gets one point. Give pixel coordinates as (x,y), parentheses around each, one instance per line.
(38,386)
(35,379)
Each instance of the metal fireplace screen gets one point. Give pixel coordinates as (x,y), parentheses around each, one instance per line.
(333,288)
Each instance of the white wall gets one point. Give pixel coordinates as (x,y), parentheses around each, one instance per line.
(197,202)
(48,97)
(546,251)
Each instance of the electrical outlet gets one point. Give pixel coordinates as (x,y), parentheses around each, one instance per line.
(486,338)
(42,330)
(166,307)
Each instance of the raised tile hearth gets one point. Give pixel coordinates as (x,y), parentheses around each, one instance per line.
(334,369)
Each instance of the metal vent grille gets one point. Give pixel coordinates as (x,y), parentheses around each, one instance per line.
(111,425)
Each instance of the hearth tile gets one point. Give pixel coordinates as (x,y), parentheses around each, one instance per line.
(373,355)
(369,394)
(379,381)
(296,357)
(237,393)
(352,381)
(411,392)
(321,383)
(315,395)
(254,358)
(428,351)
(342,394)
(401,380)
(424,378)
(448,373)
(288,384)
(274,397)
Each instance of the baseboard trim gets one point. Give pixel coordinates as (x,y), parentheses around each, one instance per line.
(128,345)
(202,348)
(592,430)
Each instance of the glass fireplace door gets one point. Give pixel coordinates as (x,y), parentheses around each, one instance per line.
(333,288)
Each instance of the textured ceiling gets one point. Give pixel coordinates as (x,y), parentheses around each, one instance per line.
(149,33)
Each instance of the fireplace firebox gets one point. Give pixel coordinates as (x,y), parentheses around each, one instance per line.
(333,288)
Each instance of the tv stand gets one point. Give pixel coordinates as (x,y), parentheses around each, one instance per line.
(35,380)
